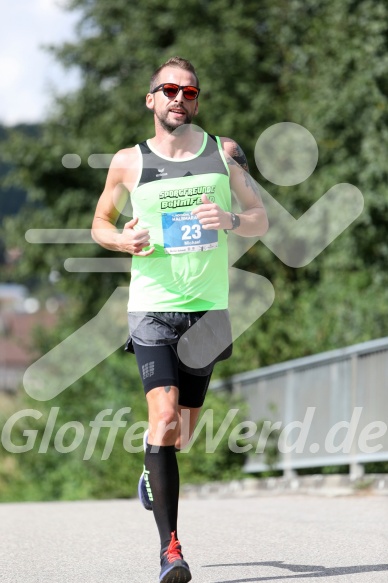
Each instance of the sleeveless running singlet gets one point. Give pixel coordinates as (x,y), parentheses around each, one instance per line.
(188,271)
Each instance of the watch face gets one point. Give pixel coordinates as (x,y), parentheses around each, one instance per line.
(235,221)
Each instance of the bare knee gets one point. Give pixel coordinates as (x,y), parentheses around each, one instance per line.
(164,428)
(163,415)
(168,418)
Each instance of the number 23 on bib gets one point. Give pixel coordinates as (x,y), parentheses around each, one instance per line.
(183,233)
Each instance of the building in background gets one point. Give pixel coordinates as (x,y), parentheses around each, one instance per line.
(20,316)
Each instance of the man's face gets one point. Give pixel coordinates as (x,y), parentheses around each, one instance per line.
(174,112)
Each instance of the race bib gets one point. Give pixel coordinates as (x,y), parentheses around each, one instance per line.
(183,233)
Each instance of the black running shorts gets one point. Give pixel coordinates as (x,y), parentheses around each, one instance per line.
(179,349)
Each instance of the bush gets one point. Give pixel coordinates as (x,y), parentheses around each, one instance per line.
(65,424)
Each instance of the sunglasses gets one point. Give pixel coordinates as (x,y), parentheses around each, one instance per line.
(171,90)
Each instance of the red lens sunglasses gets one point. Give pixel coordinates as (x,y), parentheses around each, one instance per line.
(171,90)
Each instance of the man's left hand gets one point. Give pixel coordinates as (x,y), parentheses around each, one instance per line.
(211,216)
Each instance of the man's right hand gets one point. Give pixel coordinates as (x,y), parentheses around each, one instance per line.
(134,242)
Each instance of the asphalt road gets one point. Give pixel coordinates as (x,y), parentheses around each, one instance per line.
(278,538)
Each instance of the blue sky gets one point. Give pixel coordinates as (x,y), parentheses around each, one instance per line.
(27,73)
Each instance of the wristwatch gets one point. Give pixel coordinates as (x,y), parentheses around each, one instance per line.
(235,222)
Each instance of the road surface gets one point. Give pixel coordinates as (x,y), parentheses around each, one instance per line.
(267,538)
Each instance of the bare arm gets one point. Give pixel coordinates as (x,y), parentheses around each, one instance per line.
(120,178)
(253,218)
(233,150)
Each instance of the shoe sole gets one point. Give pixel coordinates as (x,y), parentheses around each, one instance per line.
(177,575)
(146,506)
(139,493)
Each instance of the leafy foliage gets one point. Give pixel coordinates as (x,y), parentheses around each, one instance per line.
(65,458)
(322,64)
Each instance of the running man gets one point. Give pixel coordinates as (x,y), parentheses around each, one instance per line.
(181,183)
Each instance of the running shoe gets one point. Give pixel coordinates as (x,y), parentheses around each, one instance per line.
(174,568)
(144,488)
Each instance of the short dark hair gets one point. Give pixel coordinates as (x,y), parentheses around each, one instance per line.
(177,62)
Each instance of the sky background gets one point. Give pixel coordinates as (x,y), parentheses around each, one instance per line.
(27,72)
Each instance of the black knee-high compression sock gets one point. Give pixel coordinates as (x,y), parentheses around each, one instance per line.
(163,474)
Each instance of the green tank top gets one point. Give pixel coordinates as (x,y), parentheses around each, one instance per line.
(188,271)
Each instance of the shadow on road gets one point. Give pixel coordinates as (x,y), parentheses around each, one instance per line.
(302,570)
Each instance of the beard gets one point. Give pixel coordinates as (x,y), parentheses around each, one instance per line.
(171,125)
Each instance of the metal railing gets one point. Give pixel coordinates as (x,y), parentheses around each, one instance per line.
(327,409)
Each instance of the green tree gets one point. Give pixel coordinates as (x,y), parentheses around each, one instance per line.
(320,64)
(65,456)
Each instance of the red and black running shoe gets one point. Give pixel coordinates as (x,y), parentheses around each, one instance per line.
(174,568)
